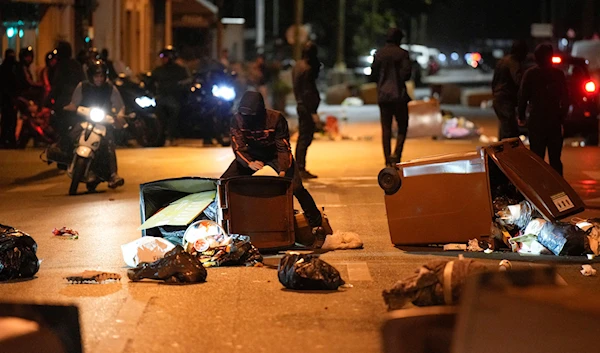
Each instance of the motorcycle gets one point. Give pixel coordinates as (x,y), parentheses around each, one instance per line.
(141,121)
(208,109)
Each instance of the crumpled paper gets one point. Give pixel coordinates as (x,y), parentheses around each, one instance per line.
(588,270)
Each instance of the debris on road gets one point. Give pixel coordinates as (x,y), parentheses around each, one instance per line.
(455,247)
(342,241)
(588,270)
(307,272)
(504,265)
(145,249)
(93,277)
(438,282)
(177,266)
(67,233)
(475,245)
(18,257)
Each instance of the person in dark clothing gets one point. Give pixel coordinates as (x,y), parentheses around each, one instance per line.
(305,75)
(112,73)
(47,74)
(8,98)
(391,69)
(544,90)
(26,86)
(505,87)
(260,137)
(67,75)
(98,92)
(172,81)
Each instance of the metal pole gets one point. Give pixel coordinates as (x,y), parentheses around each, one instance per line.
(340,42)
(299,15)
(260,26)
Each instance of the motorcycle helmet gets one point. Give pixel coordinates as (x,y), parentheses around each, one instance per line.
(25,52)
(97,67)
(168,52)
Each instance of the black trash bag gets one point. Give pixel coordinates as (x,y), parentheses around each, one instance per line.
(564,239)
(18,257)
(308,272)
(239,252)
(426,286)
(176,267)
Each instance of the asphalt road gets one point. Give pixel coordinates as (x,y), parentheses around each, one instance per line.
(238,308)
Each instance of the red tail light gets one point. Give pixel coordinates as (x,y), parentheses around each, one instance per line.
(590,87)
(556,59)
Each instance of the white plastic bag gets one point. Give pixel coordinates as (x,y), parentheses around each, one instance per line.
(145,249)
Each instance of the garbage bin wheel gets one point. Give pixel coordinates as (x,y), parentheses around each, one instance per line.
(389,180)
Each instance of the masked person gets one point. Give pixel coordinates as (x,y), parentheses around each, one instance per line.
(505,88)
(98,92)
(544,90)
(391,69)
(305,75)
(260,137)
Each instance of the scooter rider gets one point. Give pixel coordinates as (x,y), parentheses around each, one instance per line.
(260,137)
(99,92)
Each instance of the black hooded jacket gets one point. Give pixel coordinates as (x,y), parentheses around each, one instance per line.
(391,69)
(67,75)
(260,134)
(304,76)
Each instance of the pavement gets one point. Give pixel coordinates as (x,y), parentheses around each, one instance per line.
(238,308)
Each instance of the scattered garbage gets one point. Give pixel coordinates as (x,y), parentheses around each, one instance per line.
(145,249)
(592,229)
(177,266)
(307,272)
(475,245)
(93,277)
(208,241)
(459,128)
(342,241)
(353,102)
(488,251)
(67,233)
(18,257)
(438,282)
(455,247)
(588,270)
(504,265)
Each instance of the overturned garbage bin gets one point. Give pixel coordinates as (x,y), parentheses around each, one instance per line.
(258,206)
(448,198)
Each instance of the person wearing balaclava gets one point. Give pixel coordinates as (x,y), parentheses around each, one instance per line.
(8,98)
(305,75)
(260,137)
(391,69)
(544,90)
(505,87)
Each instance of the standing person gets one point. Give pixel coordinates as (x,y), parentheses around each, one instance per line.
(112,73)
(261,77)
(8,98)
(544,90)
(67,75)
(391,69)
(505,88)
(46,75)
(305,75)
(260,137)
(172,82)
(28,88)
(224,58)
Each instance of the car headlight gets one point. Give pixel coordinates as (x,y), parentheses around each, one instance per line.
(97,115)
(145,102)
(225,92)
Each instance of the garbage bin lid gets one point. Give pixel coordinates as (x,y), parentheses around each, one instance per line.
(539,183)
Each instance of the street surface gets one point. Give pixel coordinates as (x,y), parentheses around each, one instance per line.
(238,308)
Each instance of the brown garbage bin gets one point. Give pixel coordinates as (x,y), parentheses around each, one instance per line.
(448,198)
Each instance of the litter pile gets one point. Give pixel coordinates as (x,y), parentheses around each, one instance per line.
(308,272)
(177,266)
(18,257)
(458,127)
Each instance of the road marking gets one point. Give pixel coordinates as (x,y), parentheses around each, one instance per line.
(126,323)
(34,187)
(358,271)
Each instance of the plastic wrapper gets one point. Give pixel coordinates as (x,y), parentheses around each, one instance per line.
(438,282)
(564,239)
(592,228)
(518,215)
(177,266)
(18,257)
(146,249)
(307,272)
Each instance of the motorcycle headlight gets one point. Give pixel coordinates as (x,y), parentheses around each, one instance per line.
(97,115)
(225,92)
(145,102)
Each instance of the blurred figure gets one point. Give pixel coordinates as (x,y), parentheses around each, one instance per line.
(172,82)
(505,87)
(67,75)
(112,73)
(46,75)
(36,126)
(224,58)
(304,76)
(259,77)
(544,90)
(391,69)
(27,87)
(8,96)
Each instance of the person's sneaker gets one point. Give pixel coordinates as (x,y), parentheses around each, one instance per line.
(115,181)
(320,235)
(305,174)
